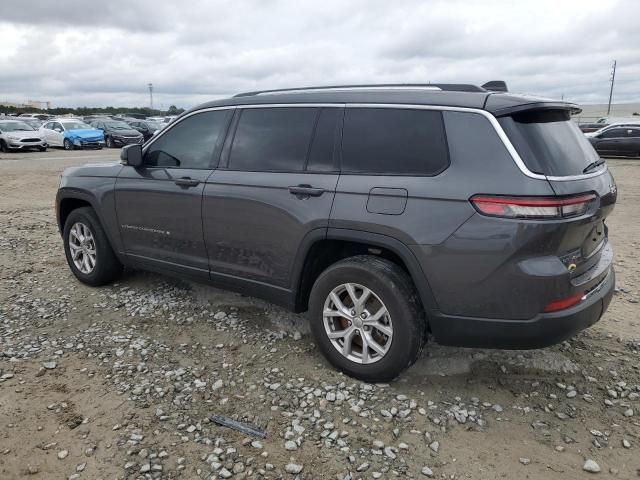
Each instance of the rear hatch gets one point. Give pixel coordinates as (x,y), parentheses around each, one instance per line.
(552,145)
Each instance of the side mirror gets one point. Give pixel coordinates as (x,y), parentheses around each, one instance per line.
(131,155)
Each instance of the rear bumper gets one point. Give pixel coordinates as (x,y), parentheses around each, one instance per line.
(540,331)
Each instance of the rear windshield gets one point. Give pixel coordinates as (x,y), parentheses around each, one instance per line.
(549,143)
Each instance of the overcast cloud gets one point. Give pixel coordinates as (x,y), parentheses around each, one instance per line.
(77,53)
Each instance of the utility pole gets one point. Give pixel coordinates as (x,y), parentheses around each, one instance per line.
(150,85)
(613,79)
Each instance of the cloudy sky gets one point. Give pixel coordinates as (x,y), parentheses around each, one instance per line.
(75,52)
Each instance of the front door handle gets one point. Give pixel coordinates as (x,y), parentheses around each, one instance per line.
(186,182)
(304,190)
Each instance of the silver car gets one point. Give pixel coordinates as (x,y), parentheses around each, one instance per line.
(18,135)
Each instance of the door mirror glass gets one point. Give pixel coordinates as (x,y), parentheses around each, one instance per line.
(131,155)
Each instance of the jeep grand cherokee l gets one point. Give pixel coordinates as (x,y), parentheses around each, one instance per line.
(386,212)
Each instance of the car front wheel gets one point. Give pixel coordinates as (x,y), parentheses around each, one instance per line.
(366,318)
(109,142)
(87,249)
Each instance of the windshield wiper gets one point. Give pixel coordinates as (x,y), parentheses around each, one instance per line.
(593,165)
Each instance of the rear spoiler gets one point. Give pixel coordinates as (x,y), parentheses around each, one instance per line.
(530,106)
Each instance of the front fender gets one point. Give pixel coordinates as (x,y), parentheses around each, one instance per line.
(100,195)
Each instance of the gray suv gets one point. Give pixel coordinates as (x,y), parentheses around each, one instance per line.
(387,212)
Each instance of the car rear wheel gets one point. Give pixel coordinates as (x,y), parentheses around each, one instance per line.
(87,249)
(366,318)
(67,144)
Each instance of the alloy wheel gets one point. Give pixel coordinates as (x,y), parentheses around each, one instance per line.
(357,323)
(83,248)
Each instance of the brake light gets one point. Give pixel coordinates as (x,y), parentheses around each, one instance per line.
(533,207)
(563,303)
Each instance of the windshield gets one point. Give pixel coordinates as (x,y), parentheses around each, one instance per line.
(75,126)
(549,143)
(117,125)
(15,127)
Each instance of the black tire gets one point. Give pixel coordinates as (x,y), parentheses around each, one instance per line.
(42,149)
(107,266)
(396,291)
(67,144)
(108,142)
(3,147)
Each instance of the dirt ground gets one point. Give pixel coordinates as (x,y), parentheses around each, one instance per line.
(120,381)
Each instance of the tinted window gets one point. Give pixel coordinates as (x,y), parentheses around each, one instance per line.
(394,140)
(190,143)
(614,133)
(272,139)
(548,142)
(327,133)
(634,133)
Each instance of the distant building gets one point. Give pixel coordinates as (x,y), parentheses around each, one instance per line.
(42,105)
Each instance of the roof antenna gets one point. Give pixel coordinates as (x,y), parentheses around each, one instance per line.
(496,86)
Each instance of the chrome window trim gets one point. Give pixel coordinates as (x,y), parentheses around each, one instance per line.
(491,118)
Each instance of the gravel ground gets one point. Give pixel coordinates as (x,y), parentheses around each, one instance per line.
(120,381)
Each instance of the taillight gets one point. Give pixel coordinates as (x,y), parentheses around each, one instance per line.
(533,207)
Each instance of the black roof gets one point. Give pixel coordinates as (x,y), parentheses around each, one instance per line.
(453,95)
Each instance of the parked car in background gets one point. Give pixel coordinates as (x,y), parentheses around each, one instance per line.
(623,140)
(117,133)
(609,127)
(92,118)
(169,118)
(611,119)
(155,119)
(33,122)
(146,127)
(591,127)
(19,135)
(71,133)
(39,116)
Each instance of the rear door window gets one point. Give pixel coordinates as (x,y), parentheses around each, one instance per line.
(548,142)
(273,139)
(614,133)
(394,141)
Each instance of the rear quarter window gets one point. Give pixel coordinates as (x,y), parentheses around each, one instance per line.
(548,142)
(394,141)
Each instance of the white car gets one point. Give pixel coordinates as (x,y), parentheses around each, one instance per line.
(17,135)
(71,133)
(632,123)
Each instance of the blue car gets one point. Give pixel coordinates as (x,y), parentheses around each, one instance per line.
(71,133)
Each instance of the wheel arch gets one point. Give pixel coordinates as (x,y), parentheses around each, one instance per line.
(309,263)
(68,200)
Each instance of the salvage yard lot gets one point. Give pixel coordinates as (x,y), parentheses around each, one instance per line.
(119,381)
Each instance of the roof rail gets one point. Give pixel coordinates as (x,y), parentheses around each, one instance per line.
(454,87)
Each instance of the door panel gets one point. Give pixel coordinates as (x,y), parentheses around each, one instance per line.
(253,225)
(160,220)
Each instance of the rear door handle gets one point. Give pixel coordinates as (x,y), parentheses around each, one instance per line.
(186,182)
(305,190)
